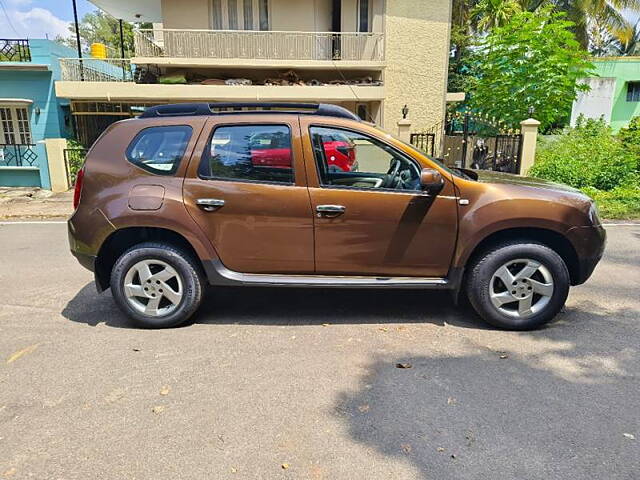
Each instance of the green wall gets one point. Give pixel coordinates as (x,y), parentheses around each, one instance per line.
(623,69)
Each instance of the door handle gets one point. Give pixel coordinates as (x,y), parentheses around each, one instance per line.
(209,204)
(330,211)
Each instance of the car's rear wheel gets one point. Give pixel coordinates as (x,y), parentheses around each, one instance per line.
(156,285)
(518,285)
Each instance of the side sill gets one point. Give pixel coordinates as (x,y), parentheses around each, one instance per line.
(219,275)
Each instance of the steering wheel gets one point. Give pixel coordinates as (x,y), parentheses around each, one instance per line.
(392,177)
(394,168)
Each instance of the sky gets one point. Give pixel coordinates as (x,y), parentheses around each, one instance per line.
(38,18)
(42,18)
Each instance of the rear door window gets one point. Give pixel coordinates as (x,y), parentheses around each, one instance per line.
(259,153)
(159,149)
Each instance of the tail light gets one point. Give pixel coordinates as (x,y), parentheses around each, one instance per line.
(78,188)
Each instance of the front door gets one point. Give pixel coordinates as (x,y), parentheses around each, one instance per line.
(371,217)
(246,189)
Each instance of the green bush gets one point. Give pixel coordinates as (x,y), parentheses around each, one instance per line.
(621,202)
(586,156)
(630,139)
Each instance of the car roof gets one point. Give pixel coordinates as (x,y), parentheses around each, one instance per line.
(219,108)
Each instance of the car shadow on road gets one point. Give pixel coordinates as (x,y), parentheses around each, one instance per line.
(549,404)
(293,306)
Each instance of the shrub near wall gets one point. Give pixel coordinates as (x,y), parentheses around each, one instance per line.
(590,158)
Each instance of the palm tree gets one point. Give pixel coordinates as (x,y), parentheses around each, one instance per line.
(585,14)
(604,44)
(488,14)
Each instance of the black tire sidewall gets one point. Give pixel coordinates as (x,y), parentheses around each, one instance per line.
(479,278)
(181,262)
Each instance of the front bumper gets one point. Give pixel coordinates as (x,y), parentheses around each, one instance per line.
(589,243)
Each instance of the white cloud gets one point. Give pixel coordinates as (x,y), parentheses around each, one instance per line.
(33,23)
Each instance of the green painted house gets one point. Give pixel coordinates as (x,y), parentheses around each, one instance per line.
(614,94)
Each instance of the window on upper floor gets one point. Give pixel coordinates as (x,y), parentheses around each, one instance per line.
(14,125)
(633,92)
(240,14)
(364,16)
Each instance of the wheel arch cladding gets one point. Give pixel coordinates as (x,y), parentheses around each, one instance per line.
(552,239)
(123,239)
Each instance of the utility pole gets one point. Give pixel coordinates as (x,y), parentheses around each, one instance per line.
(75,19)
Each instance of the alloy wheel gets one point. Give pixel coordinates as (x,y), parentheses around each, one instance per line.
(153,287)
(521,288)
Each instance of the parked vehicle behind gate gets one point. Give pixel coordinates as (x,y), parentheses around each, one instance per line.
(191,195)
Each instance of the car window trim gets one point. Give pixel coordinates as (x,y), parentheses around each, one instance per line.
(246,180)
(151,170)
(367,189)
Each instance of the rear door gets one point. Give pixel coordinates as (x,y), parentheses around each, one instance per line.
(246,188)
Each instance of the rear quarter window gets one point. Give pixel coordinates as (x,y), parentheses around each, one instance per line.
(159,149)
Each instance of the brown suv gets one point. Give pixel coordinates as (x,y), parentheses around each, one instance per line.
(249,194)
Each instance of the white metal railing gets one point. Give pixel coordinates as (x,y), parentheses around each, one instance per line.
(96,70)
(250,44)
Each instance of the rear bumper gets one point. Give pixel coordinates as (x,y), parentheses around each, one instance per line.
(87,261)
(589,243)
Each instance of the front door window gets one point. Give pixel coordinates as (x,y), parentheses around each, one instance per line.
(353,160)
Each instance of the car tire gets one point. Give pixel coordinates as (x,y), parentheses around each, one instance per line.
(157,285)
(518,285)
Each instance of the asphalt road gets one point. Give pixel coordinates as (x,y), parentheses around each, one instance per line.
(295,384)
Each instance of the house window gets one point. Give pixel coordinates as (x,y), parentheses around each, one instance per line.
(362,110)
(633,92)
(363,16)
(240,14)
(14,125)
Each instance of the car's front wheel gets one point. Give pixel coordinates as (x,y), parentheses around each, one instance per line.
(156,285)
(518,285)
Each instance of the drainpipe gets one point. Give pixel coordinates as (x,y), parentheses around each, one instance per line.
(75,19)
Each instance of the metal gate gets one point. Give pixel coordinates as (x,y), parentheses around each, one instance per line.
(470,141)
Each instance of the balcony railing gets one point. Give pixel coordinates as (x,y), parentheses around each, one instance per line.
(249,44)
(14,50)
(96,70)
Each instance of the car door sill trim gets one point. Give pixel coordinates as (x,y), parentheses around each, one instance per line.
(220,275)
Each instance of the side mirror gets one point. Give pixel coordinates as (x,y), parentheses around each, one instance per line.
(431,181)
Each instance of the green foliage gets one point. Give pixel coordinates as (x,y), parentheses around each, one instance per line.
(488,14)
(622,202)
(585,156)
(98,27)
(75,157)
(531,61)
(630,138)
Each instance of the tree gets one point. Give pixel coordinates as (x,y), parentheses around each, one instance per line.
(462,38)
(604,44)
(98,27)
(608,14)
(488,14)
(532,61)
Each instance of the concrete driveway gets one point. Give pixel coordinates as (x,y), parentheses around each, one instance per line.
(295,384)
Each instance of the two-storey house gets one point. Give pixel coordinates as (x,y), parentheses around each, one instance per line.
(371,56)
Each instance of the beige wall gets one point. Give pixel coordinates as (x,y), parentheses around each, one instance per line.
(284,14)
(417,53)
(186,14)
(297,15)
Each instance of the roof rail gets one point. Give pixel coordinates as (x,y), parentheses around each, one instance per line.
(219,108)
